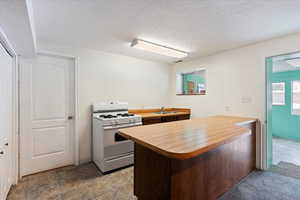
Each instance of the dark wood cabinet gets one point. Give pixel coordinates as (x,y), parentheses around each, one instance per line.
(151,121)
(182,117)
(147,121)
(168,118)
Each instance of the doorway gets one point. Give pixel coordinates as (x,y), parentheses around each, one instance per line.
(283,111)
(7,61)
(47,113)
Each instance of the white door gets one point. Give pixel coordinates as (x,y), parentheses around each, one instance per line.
(2,172)
(5,168)
(47,102)
(6,118)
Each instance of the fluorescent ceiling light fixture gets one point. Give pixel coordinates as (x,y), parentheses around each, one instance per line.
(159,49)
(295,62)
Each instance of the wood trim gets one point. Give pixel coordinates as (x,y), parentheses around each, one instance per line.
(138,111)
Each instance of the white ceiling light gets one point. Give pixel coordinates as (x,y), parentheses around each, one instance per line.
(159,49)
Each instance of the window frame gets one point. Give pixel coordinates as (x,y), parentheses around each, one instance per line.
(284,99)
(179,90)
(292,98)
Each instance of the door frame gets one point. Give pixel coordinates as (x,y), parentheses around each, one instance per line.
(76,102)
(268,112)
(15,106)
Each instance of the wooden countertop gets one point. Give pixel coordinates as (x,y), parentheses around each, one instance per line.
(188,138)
(152,113)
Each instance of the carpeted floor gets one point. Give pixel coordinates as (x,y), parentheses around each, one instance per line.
(85,182)
(265,186)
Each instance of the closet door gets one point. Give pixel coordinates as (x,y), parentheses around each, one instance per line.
(4,178)
(6,118)
(46,110)
(6,167)
(2,184)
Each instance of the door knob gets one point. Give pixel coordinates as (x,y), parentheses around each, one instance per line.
(1,152)
(6,144)
(70,117)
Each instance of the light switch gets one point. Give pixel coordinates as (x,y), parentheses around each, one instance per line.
(246,99)
(227,108)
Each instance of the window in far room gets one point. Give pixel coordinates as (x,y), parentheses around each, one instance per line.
(278,93)
(296,97)
(191,83)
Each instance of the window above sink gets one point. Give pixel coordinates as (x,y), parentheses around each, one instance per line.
(191,83)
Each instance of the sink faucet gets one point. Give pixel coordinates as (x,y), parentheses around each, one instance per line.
(162,109)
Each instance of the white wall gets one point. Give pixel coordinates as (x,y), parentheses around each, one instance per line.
(235,79)
(105,77)
(235,82)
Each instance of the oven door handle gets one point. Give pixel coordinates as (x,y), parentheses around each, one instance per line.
(119,138)
(122,126)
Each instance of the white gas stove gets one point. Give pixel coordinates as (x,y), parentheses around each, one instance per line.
(111,150)
(118,118)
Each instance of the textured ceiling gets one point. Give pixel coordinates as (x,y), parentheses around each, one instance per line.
(201,27)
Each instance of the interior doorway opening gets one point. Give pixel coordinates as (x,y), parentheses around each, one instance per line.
(283,111)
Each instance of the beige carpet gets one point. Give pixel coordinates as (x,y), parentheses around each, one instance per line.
(75,183)
(85,182)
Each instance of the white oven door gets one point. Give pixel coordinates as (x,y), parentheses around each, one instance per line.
(115,145)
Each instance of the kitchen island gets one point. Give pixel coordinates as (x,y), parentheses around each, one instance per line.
(193,159)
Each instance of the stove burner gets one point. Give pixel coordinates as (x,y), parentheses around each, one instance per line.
(125,114)
(108,116)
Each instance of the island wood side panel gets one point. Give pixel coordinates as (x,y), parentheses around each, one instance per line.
(204,177)
(151,174)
